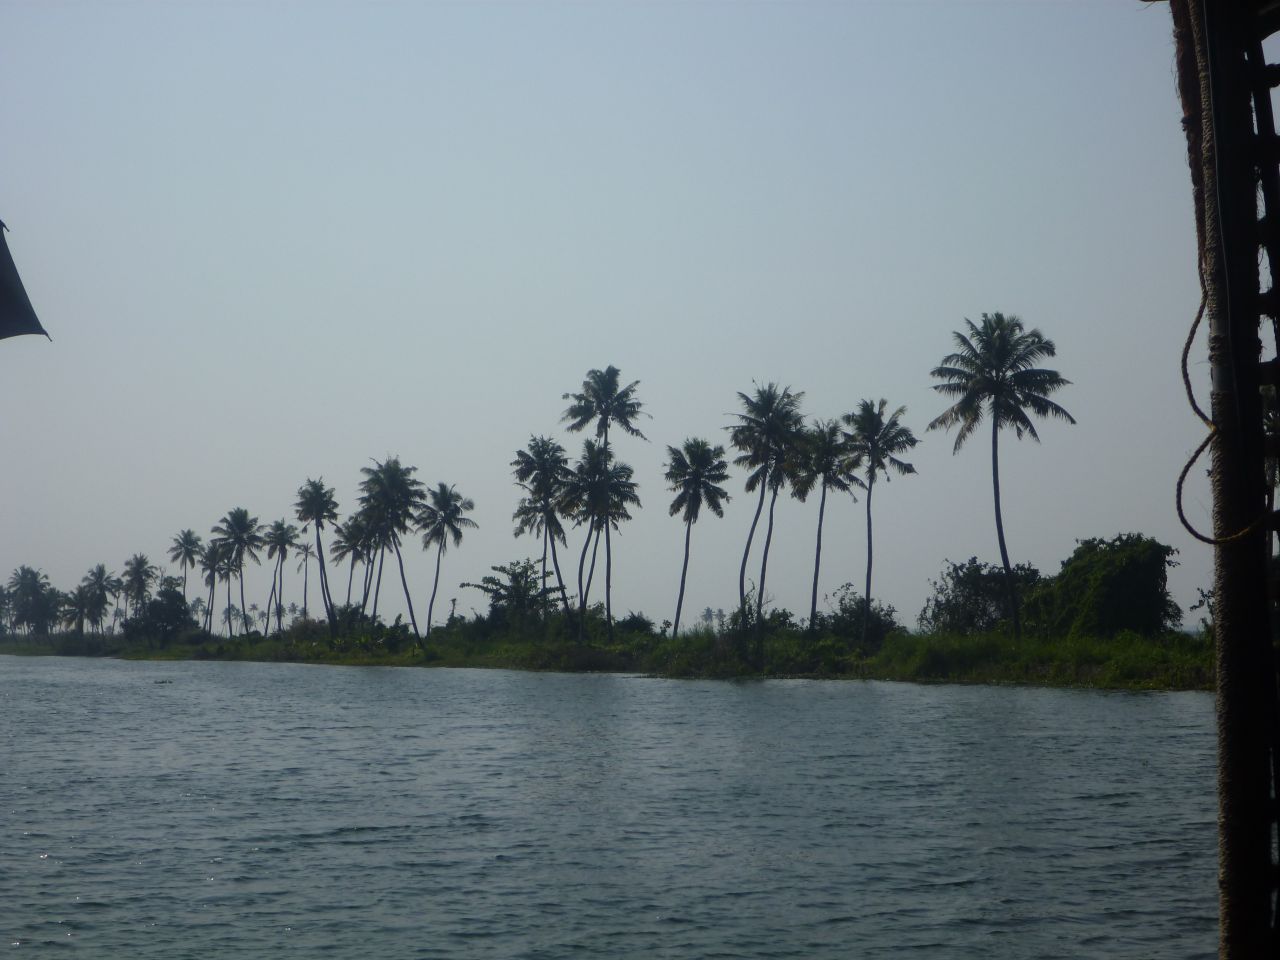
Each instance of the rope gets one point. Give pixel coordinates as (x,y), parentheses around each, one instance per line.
(1208,439)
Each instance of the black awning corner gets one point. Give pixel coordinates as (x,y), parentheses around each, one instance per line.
(17,316)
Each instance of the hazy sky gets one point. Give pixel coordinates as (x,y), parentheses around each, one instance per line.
(274,240)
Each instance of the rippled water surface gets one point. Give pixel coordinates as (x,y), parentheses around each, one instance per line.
(253,810)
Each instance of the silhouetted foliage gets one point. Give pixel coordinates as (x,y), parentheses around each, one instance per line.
(1107,586)
(971,597)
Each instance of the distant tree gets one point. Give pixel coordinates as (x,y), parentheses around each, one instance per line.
(597,496)
(766,433)
(280,538)
(542,472)
(185,552)
(35,602)
(316,506)
(242,536)
(876,442)
(516,594)
(605,402)
(139,574)
(694,474)
(970,597)
(1107,586)
(441,520)
(993,373)
(103,587)
(75,608)
(305,552)
(390,497)
(822,461)
(349,543)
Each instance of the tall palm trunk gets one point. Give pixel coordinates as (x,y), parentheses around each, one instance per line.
(185,571)
(272,596)
(684,570)
(208,610)
(351,575)
(866,593)
(1011,588)
(244,611)
(764,567)
(405,584)
(742,571)
(608,580)
(231,623)
(817,560)
(306,577)
(546,536)
(431,604)
(555,562)
(280,598)
(377,589)
(324,586)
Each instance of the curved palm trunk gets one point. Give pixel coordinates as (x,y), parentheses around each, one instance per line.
(1011,588)
(431,604)
(351,575)
(817,561)
(555,562)
(546,535)
(377,589)
(582,597)
(272,596)
(209,608)
(742,571)
(866,593)
(591,571)
(764,566)
(244,611)
(684,570)
(280,598)
(407,599)
(608,580)
(231,623)
(368,584)
(324,586)
(185,571)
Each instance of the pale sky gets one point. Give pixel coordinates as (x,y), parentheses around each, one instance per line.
(274,240)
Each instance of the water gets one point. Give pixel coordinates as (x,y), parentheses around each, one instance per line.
(249,810)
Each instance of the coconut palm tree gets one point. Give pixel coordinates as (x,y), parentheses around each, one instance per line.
(185,552)
(34,599)
(349,543)
(821,462)
(280,538)
(139,574)
(102,587)
(876,443)
(767,433)
(597,495)
(542,471)
(441,520)
(694,474)
(215,565)
(305,552)
(993,373)
(75,607)
(605,402)
(243,536)
(317,506)
(391,496)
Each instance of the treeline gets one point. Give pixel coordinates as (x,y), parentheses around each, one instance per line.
(992,376)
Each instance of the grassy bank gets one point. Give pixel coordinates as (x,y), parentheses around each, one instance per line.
(1174,661)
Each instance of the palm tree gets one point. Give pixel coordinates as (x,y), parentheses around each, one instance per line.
(216,566)
(993,373)
(766,433)
(139,574)
(694,474)
(391,496)
(822,461)
(305,552)
(876,443)
(33,599)
(280,538)
(542,472)
(75,607)
(316,505)
(440,521)
(602,400)
(102,586)
(597,495)
(349,542)
(242,535)
(185,552)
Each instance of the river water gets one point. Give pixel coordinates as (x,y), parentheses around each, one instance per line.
(251,810)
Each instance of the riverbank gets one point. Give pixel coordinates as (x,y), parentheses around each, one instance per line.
(1128,661)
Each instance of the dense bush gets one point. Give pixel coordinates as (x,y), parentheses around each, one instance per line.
(971,597)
